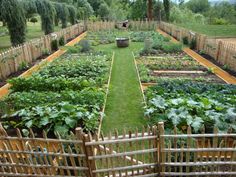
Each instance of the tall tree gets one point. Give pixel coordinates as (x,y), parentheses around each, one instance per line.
(47,13)
(166,4)
(13,14)
(104,11)
(72,14)
(137,9)
(150,6)
(198,6)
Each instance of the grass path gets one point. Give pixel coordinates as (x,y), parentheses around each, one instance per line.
(124,107)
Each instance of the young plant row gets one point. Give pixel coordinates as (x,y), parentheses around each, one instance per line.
(67,93)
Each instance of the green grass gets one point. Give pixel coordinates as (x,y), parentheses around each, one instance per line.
(33,31)
(124,109)
(212,30)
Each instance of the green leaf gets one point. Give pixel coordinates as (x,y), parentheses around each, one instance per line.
(197,123)
(44,121)
(159,102)
(70,122)
(62,130)
(29,123)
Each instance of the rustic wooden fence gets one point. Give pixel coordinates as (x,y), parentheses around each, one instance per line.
(222,51)
(111,25)
(13,58)
(149,152)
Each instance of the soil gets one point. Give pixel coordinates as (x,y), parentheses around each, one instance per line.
(208,57)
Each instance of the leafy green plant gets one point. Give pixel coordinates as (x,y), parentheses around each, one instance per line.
(171,47)
(62,41)
(54,45)
(23,66)
(181,103)
(185,40)
(57,118)
(85,46)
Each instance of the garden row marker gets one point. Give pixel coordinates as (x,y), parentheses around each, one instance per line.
(229,79)
(6,88)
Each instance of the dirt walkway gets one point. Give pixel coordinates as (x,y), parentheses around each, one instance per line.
(217,70)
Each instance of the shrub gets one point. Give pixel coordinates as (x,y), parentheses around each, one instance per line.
(193,44)
(62,41)
(85,46)
(23,65)
(185,40)
(74,49)
(34,20)
(220,21)
(54,45)
(171,47)
(45,51)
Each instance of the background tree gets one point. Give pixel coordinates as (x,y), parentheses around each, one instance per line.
(104,11)
(84,9)
(29,8)
(13,14)
(47,13)
(150,9)
(198,6)
(138,9)
(166,4)
(72,14)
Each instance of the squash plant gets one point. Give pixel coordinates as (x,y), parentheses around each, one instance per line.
(181,103)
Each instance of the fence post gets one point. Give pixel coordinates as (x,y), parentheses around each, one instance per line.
(218,52)
(156,145)
(87,150)
(80,136)
(162,155)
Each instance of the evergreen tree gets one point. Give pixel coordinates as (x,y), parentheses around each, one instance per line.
(13,14)
(47,13)
(166,4)
(72,14)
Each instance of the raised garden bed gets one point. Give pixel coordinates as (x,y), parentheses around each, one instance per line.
(67,93)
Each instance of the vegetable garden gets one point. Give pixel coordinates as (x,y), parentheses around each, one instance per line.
(71,91)
(98,87)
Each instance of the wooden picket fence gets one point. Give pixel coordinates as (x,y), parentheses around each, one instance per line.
(222,51)
(111,25)
(13,58)
(149,152)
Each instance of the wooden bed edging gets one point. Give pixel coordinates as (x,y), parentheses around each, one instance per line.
(4,91)
(225,76)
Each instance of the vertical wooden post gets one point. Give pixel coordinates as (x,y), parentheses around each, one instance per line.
(87,150)
(162,155)
(156,145)
(80,136)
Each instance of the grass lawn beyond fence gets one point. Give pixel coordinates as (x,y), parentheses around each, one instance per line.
(211,30)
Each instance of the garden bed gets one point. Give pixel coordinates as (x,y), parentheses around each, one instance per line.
(67,93)
(181,92)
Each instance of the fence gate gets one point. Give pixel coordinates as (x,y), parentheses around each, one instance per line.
(131,154)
